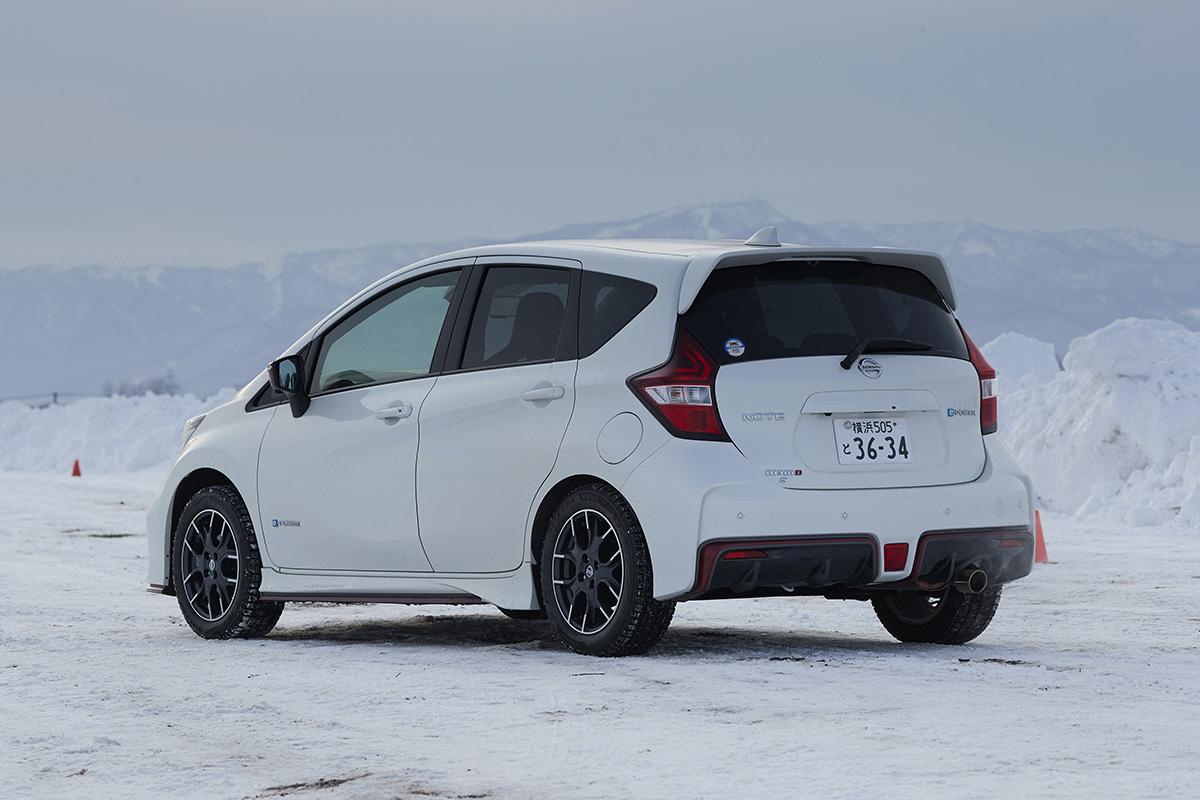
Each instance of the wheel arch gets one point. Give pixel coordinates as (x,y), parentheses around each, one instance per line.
(549,503)
(187,487)
(644,619)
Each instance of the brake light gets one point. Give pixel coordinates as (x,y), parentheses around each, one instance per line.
(682,392)
(989,413)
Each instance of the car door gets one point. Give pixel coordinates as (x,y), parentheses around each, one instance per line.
(492,425)
(337,485)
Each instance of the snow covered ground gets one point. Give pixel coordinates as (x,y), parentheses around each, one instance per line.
(1086,685)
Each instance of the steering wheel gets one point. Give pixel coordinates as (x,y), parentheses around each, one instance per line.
(345,378)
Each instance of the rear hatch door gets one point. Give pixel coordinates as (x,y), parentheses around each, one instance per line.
(780,332)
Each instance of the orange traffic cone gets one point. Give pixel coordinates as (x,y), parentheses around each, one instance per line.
(1039,545)
(75,473)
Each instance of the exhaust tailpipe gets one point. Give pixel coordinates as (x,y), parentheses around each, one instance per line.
(973,581)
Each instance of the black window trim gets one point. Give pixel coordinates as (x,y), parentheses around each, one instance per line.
(439,349)
(568,337)
(258,401)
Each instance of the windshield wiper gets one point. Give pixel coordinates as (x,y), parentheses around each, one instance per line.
(882,344)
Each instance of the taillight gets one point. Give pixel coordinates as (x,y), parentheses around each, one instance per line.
(682,392)
(989,416)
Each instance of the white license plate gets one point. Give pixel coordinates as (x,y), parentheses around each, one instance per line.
(872,440)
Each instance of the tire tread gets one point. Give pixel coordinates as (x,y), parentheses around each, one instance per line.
(258,617)
(966,617)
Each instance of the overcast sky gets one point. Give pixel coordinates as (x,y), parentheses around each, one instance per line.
(216,132)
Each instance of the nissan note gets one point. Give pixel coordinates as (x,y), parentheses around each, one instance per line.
(593,431)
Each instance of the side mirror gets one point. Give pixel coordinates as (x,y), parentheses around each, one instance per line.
(287,377)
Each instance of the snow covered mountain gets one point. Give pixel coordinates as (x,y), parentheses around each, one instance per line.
(77,328)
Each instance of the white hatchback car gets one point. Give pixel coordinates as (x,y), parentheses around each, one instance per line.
(595,430)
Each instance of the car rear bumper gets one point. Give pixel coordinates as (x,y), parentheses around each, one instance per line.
(756,568)
(1004,554)
(691,494)
(838,565)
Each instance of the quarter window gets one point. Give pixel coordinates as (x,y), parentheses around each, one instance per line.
(518,318)
(607,304)
(391,338)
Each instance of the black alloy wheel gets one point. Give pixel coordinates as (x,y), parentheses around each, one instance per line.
(209,565)
(916,608)
(587,571)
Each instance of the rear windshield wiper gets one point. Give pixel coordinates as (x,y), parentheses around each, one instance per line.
(878,344)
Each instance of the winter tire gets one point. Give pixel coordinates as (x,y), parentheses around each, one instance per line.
(597,581)
(217,568)
(946,617)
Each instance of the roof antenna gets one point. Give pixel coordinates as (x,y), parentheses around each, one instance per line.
(767,237)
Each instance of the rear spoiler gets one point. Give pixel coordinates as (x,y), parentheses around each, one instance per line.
(928,264)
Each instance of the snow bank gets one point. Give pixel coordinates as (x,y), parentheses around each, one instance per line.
(1021,361)
(1116,434)
(107,434)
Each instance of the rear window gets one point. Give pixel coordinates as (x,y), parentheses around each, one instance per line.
(787,309)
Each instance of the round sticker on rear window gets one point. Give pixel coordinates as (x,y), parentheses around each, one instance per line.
(735,347)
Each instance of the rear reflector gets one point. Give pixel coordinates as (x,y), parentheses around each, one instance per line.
(740,555)
(895,556)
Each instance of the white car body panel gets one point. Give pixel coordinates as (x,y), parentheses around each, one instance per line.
(512,589)
(335,486)
(683,492)
(784,427)
(474,487)
(227,442)
(736,503)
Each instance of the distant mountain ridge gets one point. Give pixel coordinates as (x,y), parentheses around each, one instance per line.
(80,327)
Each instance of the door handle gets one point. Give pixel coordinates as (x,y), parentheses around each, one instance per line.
(394,413)
(544,393)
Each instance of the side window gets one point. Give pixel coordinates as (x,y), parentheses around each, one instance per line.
(390,338)
(607,304)
(518,318)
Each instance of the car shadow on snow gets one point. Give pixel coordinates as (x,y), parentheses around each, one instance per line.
(424,629)
(682,640)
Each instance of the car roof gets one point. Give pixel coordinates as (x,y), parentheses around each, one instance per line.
(696,258)
(699,257)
